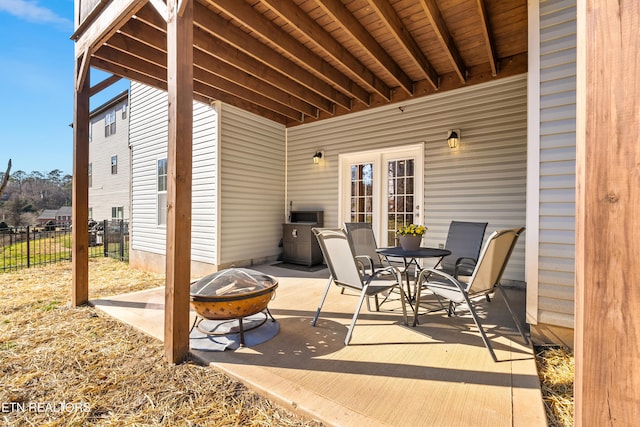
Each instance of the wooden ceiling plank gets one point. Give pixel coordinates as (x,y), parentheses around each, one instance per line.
(352,26)
(393,22)
(488,36)
(223,30)
(291,13)
(442,33)
(250,18)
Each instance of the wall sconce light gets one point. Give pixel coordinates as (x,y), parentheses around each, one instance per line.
(317,157)
(453,139)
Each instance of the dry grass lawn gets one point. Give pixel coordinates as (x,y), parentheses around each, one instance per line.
(62,366)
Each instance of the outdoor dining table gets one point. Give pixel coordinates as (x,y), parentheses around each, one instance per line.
(411,258)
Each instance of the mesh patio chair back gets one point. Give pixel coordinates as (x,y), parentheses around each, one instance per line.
(363,241)
(339,257)
(464,240)
(493,261)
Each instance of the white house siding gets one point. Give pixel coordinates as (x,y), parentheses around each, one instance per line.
(484,180)
(252,172)
(109,190)
(149,136)
(557,164)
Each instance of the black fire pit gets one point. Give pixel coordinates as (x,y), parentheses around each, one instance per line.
(231,294)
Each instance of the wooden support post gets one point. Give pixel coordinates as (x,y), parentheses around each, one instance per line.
(607,356)
(178,259)
(80,197)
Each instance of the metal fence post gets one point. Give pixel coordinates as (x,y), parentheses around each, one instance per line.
(121,240)
(105,237)
(28,249)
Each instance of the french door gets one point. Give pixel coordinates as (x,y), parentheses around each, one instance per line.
(384,188)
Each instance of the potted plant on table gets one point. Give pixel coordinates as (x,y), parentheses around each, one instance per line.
(410,236)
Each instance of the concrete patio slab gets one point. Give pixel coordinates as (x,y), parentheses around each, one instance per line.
(436,374)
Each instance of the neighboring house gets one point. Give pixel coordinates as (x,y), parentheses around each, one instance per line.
(515,166)
(63,217)
(46,216)
(110,160)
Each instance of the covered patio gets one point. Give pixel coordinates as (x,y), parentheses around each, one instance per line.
(438,373)
(313,60)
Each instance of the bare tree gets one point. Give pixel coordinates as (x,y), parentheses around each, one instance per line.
(5,179)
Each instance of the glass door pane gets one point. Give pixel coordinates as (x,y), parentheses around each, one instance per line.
(400,196)
(361,193)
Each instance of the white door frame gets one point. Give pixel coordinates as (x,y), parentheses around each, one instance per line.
(379,158)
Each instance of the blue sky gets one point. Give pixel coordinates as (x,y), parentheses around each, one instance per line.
(36,83)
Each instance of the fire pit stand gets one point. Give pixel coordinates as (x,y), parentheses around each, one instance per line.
(232,294)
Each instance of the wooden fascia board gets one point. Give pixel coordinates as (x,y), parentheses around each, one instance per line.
(351,25)
(248,17)
(105,24)
(220,28)
(442,33)
(291,13)
(152,36)
(488,36)
(389,16)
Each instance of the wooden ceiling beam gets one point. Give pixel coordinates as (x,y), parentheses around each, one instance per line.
(393,22)
(231,55)
(488,37)
(251,88)
(233,36)
(291,13)
(150,44)
(133,59)
(351,25)
(148,29)
(249,17)
(203,93)
(442,33)
(98,87)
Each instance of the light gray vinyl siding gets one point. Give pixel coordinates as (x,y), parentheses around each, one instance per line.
(556,268)
(149,136)
(485,180)
(109,190)
(251,187)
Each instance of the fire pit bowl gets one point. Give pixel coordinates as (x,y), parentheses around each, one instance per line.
(232,294)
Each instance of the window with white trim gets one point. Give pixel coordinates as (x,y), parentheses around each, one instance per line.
(114,165)
(110,123)
(162,191)
(117,212)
